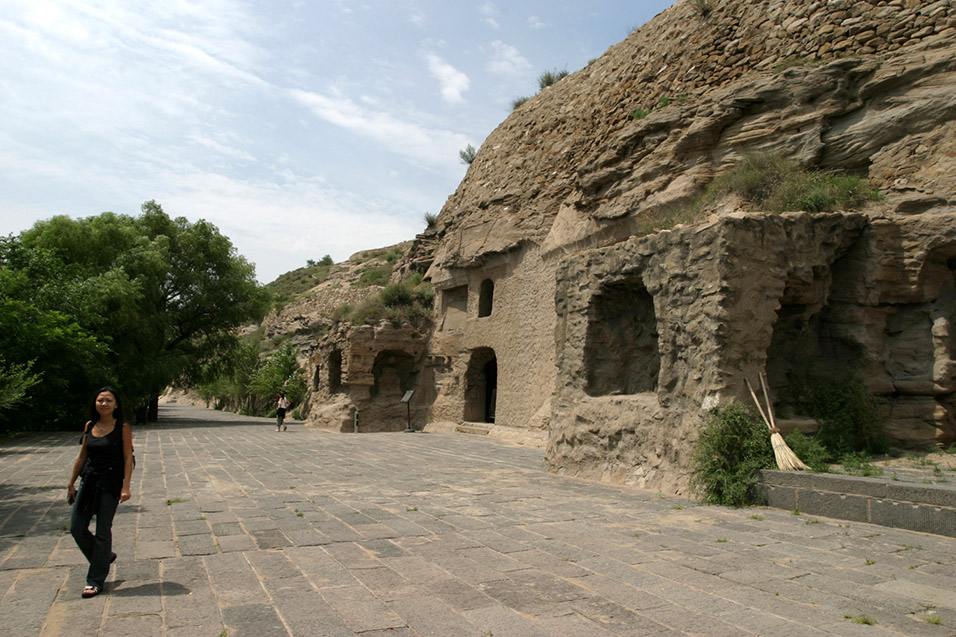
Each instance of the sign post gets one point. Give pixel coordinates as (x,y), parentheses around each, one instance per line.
(407,399)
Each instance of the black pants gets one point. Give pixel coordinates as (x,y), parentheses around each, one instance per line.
(98,547)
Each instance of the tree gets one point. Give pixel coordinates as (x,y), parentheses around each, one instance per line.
(281,373)
(467,154)
(15,380)
(51,365)
(162,295)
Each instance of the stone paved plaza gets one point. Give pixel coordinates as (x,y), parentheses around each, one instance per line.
(234,529)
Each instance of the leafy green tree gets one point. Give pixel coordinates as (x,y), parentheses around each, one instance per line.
(229,378)
(51,366)
(15,380)
(161,297)
(281,373)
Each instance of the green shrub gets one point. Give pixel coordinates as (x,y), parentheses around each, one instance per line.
(467,154)
(851,418)
(732,448)
(809,450)
(857,463)
(373,274)
(430,219)
(640,113)
(342,312)
(549,78)
(289,285)
(665,218)
(396,294)
(518,101)
(408,301)
(776,184)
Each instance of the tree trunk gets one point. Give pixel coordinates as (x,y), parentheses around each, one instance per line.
(152,415)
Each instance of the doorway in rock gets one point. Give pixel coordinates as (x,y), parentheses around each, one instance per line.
(335,371)
(481,386)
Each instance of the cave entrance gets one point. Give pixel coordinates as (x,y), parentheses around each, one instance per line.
(621,353)
(811,343)
(335,371)
(481,386)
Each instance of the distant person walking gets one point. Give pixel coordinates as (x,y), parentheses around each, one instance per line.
(105,463)
(281,406)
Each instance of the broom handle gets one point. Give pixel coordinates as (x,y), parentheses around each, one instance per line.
(757,402)
(763,383)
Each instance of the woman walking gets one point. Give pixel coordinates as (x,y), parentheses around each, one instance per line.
(106,463)
(281,406)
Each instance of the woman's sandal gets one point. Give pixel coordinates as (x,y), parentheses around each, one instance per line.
(91,591)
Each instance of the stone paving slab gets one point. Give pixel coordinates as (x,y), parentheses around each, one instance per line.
(234,529)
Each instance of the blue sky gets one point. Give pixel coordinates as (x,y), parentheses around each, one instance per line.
(299,127)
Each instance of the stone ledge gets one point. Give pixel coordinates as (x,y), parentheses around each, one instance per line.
(923,508)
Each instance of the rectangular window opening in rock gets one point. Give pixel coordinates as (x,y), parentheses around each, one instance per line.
(395,373)
(454,303)
(621,348)
(486,298)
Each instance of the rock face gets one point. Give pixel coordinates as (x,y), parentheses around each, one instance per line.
(564,317)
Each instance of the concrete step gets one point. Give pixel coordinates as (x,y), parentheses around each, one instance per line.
(478,428)
(928,508)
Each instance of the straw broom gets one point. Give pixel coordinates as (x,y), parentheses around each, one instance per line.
(786,459)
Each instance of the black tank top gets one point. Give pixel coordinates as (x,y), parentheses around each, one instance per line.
(106,461)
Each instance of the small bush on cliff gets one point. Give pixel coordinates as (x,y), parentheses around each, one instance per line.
(408,301)
(732,448)
(467,154)
(776,184)
(518,101)
(549,78)
(291,284)
(373,274)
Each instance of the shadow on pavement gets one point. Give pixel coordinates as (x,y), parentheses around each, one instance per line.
(190,417)
(154,589)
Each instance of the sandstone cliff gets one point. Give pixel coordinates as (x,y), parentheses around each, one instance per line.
(570,314)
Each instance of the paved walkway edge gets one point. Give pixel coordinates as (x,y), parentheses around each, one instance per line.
(927,508)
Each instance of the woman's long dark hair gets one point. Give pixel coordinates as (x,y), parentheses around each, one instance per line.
(117,412)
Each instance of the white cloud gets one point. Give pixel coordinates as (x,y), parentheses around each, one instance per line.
(302,218)
(535,23)
(490,13)
(223,109)
(453,82)
(424,146)
(507,60)
(227,150)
